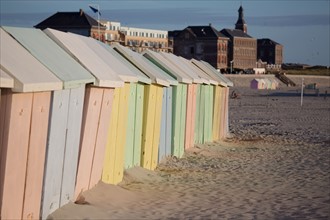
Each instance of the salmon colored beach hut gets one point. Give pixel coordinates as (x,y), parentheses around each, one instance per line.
(179,99)
(65,116)
(24,128)
(152,107)
(98,107)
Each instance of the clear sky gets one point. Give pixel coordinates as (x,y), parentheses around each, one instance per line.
(301,26)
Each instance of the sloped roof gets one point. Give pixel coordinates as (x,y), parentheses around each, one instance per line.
(267,41)
(174,33)
(231,33)
(28,73)
(69,20)
(205,31)
(112,62)
(72,44)
(147,67)
(52,56)
(167,66)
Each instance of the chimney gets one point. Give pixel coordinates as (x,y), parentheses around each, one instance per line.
(210,24)
(81,12)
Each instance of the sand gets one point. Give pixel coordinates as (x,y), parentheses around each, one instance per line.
(274,165)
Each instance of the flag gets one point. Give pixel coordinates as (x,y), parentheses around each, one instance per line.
(95,10)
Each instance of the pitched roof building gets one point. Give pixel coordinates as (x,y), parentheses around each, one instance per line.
(270,51)
(75,22)
(201,43)
(242,49)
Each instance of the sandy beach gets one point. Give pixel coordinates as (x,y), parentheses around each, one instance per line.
(274,165)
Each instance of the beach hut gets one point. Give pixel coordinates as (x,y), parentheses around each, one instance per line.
(275,83)
(98,107)
(204,103)
(220,126)
(135,112)
(268,83)
(113,167)
(154,139)
(25,111)
(191,96)
(257,84)
(65,116)
(179,98)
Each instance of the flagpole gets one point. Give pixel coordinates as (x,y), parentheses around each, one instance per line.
(98,21)
(98,18)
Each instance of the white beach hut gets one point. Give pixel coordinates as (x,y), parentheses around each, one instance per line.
(97,108)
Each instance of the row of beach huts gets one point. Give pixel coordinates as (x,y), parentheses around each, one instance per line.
(75,111)
(264,83)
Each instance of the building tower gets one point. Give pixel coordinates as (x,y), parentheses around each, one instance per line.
(240,24)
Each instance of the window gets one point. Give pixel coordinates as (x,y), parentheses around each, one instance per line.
(192,50)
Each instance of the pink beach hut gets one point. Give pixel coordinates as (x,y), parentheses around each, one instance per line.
(24,114)
(65,116)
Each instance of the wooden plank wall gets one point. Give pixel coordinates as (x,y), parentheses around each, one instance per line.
(113,166)
(73,130)
(55,152)
(26,116)
(134,126)
(94,131)
(166,125)
(208,113)
(156,134)
(62,148)
(151,126)
(222,111)
(179,119)
(226,119)
(216,114)
(198,115)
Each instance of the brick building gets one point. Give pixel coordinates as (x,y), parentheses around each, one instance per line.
(201,43)
(138,39)
(270,51)
(242,49)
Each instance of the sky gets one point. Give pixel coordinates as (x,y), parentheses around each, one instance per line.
(301,26)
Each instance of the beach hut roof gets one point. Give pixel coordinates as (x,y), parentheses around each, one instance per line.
(206,78)
(210,70)
(105,76)
(145,66)
(183,66)
(111,61)
(28,73)
(140,75)
(167,66)
(52,56)
(5,80)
